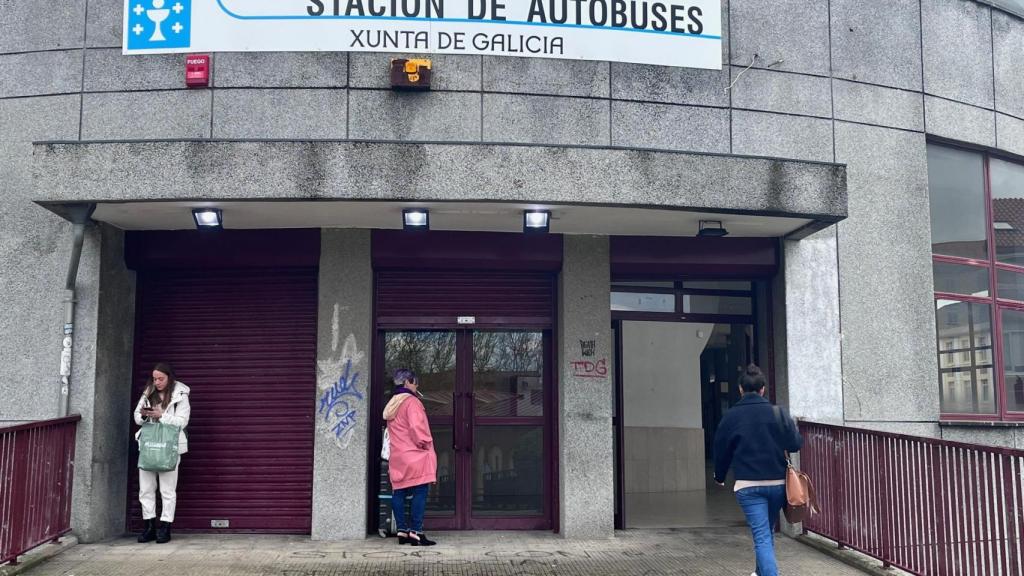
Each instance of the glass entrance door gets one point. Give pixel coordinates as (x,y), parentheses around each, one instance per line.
(432,356)
(487,399)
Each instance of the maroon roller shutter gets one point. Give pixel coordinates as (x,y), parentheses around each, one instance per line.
(244,341)
(441,296)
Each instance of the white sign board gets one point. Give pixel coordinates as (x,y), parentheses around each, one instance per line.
(666,32)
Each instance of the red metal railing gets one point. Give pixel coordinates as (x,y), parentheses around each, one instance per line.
(36,468)
(926,506)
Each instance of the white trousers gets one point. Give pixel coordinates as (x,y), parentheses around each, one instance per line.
(168,493)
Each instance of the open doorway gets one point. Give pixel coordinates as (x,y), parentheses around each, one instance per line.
(679,353)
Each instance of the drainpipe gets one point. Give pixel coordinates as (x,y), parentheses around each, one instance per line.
(79,215)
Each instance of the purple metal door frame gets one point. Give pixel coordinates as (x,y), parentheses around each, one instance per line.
(544,521)
(439,251)
(463,422)
(618,318)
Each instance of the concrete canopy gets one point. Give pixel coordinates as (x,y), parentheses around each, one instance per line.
(72,172)
(449,215)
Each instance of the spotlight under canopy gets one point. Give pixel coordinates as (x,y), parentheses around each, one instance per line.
(416,219)
(208,218)
(536,221)
(712,229)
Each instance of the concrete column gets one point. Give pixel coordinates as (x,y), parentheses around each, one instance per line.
(101,384)
(808,338)
(585,445)
(343,376)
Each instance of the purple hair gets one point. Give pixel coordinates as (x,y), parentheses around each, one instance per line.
(403,375)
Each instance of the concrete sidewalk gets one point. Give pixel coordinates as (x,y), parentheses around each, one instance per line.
(711,552)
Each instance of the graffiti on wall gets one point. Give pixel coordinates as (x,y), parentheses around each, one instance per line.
(339,405)
(587,365)
(340,393)
(588,348)
(589,368)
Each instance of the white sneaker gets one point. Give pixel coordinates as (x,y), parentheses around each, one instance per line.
(753,574)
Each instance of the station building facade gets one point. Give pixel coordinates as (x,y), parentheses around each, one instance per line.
(865,159)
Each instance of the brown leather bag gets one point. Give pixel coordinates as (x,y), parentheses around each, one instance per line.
(801,501)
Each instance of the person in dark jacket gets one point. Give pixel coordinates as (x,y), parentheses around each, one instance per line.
(752,439)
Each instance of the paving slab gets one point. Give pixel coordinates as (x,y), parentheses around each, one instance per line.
(696,552)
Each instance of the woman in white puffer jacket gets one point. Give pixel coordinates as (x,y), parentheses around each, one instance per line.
(165,400)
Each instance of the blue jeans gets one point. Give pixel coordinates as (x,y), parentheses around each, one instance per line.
(419,505)
(761,505)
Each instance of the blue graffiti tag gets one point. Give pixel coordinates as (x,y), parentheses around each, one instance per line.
(335,403)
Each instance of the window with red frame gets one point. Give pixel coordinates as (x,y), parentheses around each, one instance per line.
(977,222)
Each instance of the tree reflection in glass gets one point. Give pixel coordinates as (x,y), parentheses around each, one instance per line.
(508,372)
(431,355)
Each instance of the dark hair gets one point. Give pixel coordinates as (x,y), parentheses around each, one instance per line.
(151,391)
(403,375)
(753,379)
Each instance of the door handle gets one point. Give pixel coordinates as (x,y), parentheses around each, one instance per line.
(455,415)
(471,409)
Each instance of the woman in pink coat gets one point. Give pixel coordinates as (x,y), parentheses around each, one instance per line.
(412,465)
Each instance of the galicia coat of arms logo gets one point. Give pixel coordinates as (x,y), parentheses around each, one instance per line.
(156,24)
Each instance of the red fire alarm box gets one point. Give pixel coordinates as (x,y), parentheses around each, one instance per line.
(197,70)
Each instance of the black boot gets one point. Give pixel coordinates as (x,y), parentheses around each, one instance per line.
(420,539)
(163,535)
(148,533)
